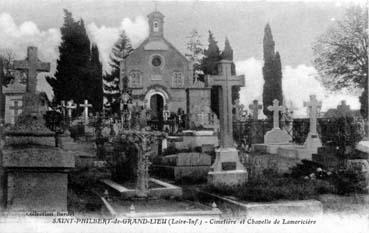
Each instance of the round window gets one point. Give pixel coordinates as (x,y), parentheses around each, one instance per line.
(156,61)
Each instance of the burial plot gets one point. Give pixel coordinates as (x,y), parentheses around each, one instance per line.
(227,153)
(36,172)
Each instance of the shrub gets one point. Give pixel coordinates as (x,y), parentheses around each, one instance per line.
(270,187)
(350,181)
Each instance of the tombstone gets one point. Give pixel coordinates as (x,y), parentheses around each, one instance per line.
(86,105)
(70,106)
(255,107)
(312,142)
(276,135)
(227,168)
(36,171)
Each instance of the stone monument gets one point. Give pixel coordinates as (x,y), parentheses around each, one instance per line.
(276,135)
(255,107)
(36,171)
(312,141)
(227,168)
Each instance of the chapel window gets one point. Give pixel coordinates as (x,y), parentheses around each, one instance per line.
(135,79)
(177,80)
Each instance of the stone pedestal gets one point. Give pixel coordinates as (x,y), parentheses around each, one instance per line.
(36,178)
(276,136)
(227,169)
(312,143)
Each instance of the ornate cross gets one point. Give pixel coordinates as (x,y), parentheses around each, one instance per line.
(70,106)
(32,65)
(255,107)
(15,109)
(313,106)
(86,105)
(225,81)
(276,109)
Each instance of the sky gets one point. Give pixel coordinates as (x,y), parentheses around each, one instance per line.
(295,26)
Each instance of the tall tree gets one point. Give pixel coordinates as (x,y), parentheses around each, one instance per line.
(209,66)
(340,54)
(121,50)
(272,72)
(227,54)
(96,74)
(73,78)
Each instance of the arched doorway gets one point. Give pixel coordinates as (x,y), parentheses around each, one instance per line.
(157,106)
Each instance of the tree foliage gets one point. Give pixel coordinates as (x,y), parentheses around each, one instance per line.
(78,72)
(340,54)
(121,50)
(272,73)
(209,65)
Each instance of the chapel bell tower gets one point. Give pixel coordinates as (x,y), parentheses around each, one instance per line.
(156,23)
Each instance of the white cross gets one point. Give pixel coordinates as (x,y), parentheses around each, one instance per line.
(62,107)
(313,107)
(70,106)
(86,105)
(276,109)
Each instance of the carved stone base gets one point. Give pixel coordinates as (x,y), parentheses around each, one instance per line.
(227,169)
(312,143)
(276,136)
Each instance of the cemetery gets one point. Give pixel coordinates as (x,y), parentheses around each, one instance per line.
(165,152)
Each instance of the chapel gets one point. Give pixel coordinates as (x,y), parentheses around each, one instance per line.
(160,76)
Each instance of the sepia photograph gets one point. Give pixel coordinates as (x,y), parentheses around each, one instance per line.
(184,116)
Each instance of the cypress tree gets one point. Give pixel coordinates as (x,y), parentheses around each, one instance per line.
(209,66)
(121,50)
(96,75)
(272,73)
(73,80)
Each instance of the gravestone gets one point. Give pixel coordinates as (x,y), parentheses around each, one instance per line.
(255,107)
(85,107)
(227,153)
(276,135)
(312,142)
(70,106)
(36,171)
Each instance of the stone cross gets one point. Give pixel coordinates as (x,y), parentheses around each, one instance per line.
(225,80)
(32,65)
(313,107)
(238,109)
(15,109)
(203,117)
(276,109)
(62,107)
(343,109)
(255,107)
(70,107)
(86,105)
(166,113)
